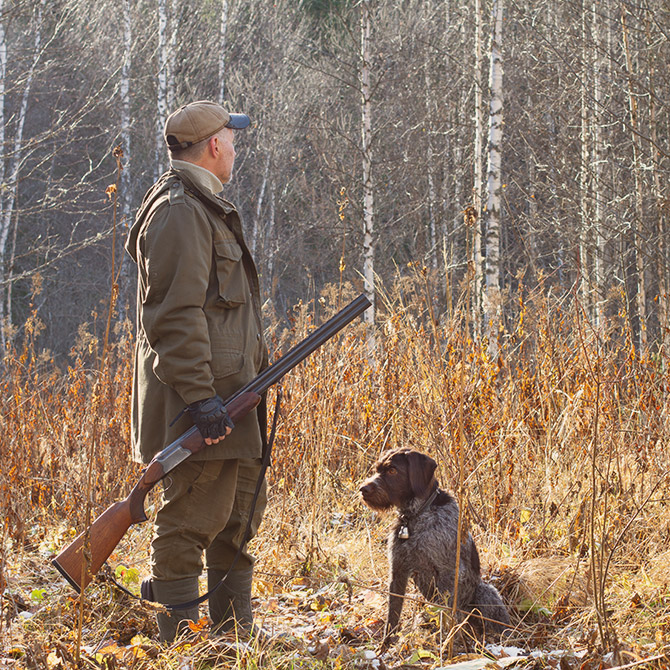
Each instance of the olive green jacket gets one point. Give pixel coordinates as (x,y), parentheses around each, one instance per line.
(198,316)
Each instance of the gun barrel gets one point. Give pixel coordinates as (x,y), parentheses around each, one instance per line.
(272,374)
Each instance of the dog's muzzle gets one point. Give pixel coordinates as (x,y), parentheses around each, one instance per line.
(374,495)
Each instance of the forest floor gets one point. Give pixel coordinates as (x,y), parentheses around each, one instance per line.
(556,450)
(320,594)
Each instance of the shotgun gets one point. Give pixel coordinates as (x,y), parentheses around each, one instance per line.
(86,554)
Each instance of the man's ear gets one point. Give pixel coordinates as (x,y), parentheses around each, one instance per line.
(213,146)
(421,471)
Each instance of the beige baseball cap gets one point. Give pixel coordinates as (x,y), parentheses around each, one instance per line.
(199,120)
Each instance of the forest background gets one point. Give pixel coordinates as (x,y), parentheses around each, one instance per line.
(383,133)
(493,173)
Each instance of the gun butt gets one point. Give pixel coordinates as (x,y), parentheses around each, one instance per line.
(85,555)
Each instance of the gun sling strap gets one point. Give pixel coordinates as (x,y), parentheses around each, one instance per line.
(146,593)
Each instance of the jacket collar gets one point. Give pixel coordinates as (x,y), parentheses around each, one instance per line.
(204,179)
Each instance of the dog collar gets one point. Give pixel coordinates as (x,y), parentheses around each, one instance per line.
(403,529)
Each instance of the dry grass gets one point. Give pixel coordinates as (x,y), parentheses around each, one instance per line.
(557,449)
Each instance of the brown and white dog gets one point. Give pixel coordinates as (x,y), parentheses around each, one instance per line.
(422,543)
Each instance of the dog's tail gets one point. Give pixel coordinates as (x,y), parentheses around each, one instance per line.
(489,605)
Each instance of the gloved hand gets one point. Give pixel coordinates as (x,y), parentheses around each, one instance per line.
(211,418)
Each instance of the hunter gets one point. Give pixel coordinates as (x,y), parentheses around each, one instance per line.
(199,339)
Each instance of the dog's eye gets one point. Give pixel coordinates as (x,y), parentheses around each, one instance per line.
(391,471)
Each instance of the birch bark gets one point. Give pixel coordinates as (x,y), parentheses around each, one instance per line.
(161,87)
(493,307)
(432,195)
(599,162)
(477,187)
(584,167)
(125,274)
(659,197)
(171,58)
(257,233)
(223,29)
(638,239)
(368,193)
(14,167)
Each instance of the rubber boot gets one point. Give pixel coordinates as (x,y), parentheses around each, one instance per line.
(174,622)
(230,605)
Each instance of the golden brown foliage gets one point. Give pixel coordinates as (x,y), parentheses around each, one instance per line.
(557,450)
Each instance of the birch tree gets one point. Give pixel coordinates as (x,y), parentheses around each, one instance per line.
(585,219)
(223,30)
(432,194)
(493,306)
(599,159)
(637,236)
(171,58)
(161,86)
(125,273)
(476,261)
(659,189)
(366,148)
(8,199)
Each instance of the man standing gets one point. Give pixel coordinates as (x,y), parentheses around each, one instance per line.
(199,339)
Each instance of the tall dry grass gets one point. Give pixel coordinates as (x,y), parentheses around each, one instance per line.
(557,450)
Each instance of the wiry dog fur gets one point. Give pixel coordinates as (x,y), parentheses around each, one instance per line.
(405,479)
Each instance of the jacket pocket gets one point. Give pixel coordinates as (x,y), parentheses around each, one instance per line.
(226,362)
(230,274)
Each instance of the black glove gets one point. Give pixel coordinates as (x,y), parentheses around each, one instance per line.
(211,417)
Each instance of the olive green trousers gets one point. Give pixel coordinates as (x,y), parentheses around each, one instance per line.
(205,509)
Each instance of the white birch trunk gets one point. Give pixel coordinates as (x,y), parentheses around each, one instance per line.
(256,232)
(270,244)
(493,307)
(432,195)
(368,194)
(222,50)
(126,196)
(477,261)
(171,60)
(3,86)
(638,238)
(161,86)
(13,174)
(583,288)
(599,160)
(661,221)
(531,238)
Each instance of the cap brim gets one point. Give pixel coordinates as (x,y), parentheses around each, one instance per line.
(238,121)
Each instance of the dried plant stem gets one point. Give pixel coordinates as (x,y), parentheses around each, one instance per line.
(597,555)
(113,191)
(86,548)
(461,502)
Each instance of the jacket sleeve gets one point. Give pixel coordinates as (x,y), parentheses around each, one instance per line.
(177,256)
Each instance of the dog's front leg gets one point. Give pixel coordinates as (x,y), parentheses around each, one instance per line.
(397,589)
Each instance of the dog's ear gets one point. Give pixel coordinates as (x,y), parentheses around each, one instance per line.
(421,471)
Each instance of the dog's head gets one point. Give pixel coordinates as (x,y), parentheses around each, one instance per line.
(401,475)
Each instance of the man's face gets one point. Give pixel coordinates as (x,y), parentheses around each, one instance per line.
(226,156)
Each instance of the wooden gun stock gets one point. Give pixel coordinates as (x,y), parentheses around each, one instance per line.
(86,554)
